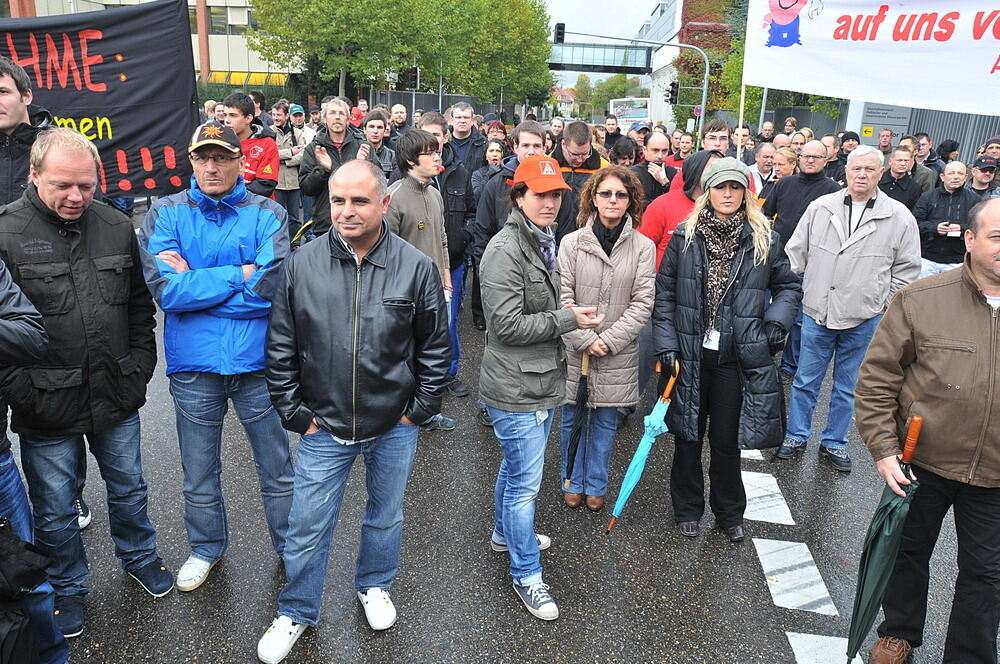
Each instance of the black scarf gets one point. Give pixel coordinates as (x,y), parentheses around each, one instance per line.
(607,237)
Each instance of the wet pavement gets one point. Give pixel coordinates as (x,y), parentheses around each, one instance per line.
(642,594)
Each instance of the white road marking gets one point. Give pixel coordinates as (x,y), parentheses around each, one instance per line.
(792,577)
(764,499)
(752,454)
(816,649)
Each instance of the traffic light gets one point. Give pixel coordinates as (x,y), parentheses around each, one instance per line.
(412,78)
(560,36)
(675,89)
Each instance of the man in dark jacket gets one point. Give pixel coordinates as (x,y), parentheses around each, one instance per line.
(612,132)
(77,260)
(785,205)
(835,162)
(981,183)
(897,183)
(653,174)
(942,215)
(394,368)
(333,145)
(19,125)
(23,342)
(925,177)
(469,144)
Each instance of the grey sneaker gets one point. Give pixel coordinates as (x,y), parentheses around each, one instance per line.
(537,600)
(837,457)
(790,448)
(544,542)
(439,423)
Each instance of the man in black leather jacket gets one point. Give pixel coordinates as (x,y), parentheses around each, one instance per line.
(357,355)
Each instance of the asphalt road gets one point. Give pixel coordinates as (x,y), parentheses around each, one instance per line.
(641,594)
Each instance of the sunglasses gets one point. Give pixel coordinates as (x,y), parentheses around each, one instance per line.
(618,195)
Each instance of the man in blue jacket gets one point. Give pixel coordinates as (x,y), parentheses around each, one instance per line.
(212,256)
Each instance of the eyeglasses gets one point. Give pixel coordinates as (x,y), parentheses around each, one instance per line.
(618,195)
(812,156)
(579,155)
(431,154)
(219,159)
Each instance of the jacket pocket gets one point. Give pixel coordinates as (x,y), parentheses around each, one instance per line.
(951,365)
(397,316)
(131,389)
(541,378)
(49,286)
(113,277)
(57,394)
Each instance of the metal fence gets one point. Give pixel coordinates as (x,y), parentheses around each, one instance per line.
(969,130)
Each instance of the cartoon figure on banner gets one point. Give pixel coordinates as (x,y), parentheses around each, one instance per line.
(782,22)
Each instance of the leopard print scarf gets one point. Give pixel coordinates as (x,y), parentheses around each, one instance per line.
(721,237)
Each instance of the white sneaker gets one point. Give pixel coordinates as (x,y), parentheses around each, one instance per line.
(544,542)
(193,573)
(379,610)
(278,640)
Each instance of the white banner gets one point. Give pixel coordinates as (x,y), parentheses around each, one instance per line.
(921,53)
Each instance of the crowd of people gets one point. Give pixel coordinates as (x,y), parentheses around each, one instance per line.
(314,273)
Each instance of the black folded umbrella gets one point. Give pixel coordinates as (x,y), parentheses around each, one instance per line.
(576,431)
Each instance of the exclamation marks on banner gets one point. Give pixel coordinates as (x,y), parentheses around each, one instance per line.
(146,161)
(146,155)
(170,160)
(122,159)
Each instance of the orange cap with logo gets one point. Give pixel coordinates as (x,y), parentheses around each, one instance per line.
(540,173)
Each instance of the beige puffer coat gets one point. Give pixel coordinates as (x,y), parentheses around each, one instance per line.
(622,288)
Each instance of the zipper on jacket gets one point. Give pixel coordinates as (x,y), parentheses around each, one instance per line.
(944,346)
(354,354)
(989,398)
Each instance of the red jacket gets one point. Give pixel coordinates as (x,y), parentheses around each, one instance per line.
(261,169)
(663,215)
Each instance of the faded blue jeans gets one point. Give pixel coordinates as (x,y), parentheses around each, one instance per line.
(200,404)
(322,468)
(590,469)
(40,602)
(51,468)
(522,437)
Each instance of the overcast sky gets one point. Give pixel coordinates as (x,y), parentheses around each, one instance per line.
(616,18)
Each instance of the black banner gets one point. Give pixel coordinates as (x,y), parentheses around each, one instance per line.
(123,78)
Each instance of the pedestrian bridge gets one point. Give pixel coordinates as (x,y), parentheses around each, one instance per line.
(603,58)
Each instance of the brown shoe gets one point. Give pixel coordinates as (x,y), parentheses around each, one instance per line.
(595,503)
(572,499)
(890,650)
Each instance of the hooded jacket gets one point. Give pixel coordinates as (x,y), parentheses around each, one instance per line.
(215,321)
(357,345)
(85,278)
(314,179)
(260,172)
(15,149)
(678,326)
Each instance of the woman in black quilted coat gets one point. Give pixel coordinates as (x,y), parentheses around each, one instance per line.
(725,300)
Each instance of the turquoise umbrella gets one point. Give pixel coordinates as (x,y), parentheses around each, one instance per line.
(654,427)
(878,558)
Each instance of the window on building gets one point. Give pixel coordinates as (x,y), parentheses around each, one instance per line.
(218,21)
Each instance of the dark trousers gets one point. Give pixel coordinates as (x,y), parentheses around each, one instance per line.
(721,397)
(477,299)
(975,610)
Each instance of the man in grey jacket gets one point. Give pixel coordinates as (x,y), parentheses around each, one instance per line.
(854,252)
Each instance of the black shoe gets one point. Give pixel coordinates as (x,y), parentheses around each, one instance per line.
(154,578)
(790,448)
(69,615)
(458,388)
(83,513)
(439,423)
(837,457)
(735,533)
(689,528)
(484,418)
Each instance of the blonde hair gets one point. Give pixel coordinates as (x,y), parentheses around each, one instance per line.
(760,227)
(61,137)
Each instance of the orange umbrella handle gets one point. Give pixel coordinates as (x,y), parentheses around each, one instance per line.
(913,428)
(670,381)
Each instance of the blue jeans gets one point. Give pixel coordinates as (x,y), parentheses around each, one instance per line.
(50,466)
(790,356)
(40,602)
(522,438)
(457,295)
(200,403)
(290,200)
(819,345)
(321,472)
(590,469)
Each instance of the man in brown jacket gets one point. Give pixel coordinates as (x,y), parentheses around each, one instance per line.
(935,354)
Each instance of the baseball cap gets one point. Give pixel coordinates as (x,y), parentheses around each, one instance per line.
(215,133)
(985,162)
(639,125)
(727,169)
(850,136)
(315,109)
(540,173)
(295,109)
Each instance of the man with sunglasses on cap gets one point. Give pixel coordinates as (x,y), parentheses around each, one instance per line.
(982,182)
(212,257)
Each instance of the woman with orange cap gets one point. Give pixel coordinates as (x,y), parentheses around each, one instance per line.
(523,372)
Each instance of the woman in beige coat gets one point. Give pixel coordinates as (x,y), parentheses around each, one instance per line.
(606,264)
